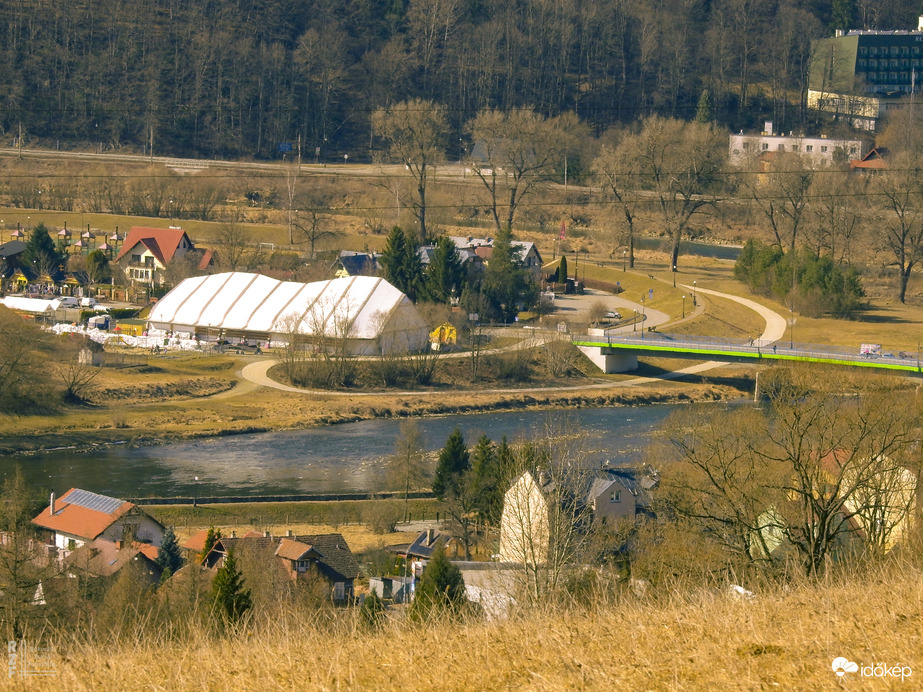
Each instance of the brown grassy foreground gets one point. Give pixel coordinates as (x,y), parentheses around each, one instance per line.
(785,639)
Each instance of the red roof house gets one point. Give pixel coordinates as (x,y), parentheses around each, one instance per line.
(79,517)
(147,252)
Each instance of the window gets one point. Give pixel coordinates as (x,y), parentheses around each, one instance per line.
(823,150)
(852,150)
(863,50)
(765,146)
(616,496)
(894,50)
(893,63)
(781,147)
(794,147)
(873,50)
(136,259)
(71,544)
(905,50)
(873,64)
(746,146)
(862,64)
(301,565)
(809,148)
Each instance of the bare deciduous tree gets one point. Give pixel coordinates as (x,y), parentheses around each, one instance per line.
(520,150)
(415,131)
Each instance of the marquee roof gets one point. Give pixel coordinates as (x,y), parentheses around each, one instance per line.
(358,306)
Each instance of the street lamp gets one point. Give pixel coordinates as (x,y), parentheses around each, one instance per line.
(674,276)
(684,307)
(642,318)
(624,260)
(693,293)
(634,322)
(195,496)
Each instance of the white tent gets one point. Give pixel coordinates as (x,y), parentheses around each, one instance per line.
(368,312)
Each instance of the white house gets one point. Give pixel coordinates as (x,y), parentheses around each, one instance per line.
(79,517)
(820,151)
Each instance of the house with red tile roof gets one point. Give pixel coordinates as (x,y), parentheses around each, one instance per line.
(102,558)
(80,516)
(147,252)
(324,555)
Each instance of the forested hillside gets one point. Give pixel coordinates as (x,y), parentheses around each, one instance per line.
(236,78)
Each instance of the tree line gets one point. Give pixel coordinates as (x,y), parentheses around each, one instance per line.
(242,78)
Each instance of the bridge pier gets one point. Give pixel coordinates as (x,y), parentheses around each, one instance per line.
(610,360)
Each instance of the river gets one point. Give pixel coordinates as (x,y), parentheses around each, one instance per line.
(342,458)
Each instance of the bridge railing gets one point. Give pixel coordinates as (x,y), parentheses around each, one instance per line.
(756,347)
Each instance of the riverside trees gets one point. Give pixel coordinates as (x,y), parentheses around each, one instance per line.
(816,471)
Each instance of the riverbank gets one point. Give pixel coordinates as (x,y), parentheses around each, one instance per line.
(247,409)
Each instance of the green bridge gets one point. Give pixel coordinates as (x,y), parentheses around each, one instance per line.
(619,352)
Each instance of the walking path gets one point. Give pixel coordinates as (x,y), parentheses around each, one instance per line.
(257,373)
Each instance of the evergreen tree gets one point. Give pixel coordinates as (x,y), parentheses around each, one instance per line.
(169,556)
(41,253)
(401,264)
(454,461)
(842,13)
(210,538)
(445,274)
(441,589)
(231,599)
(98,269)
(705,111)
(485,480)
(561,275)
(507,286)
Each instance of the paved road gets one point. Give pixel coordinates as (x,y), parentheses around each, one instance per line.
(257,372)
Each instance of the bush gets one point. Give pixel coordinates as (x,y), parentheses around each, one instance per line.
(382,516)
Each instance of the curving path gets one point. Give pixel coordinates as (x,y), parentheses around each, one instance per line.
(257,373)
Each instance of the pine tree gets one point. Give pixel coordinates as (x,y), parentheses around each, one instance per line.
(231,599)
(506,284)
(400,263)
(98,268)
(41,253)
(210,538)
(561,276)
(441,589)
(705,112)
(445,274)
(169,556)
(454,461)
(485,480)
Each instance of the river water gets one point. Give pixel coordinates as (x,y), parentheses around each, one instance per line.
(342,458)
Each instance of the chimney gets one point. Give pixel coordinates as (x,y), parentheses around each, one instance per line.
(267,534)
(429,536)
(289,533)
(233,534)
(51,505)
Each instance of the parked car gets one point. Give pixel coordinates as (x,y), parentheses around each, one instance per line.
(613,315)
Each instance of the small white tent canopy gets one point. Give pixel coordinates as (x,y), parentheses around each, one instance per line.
(369,313)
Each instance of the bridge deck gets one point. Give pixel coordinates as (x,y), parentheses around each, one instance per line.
(743,350)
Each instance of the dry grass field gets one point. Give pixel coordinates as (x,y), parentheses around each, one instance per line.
(705,640)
